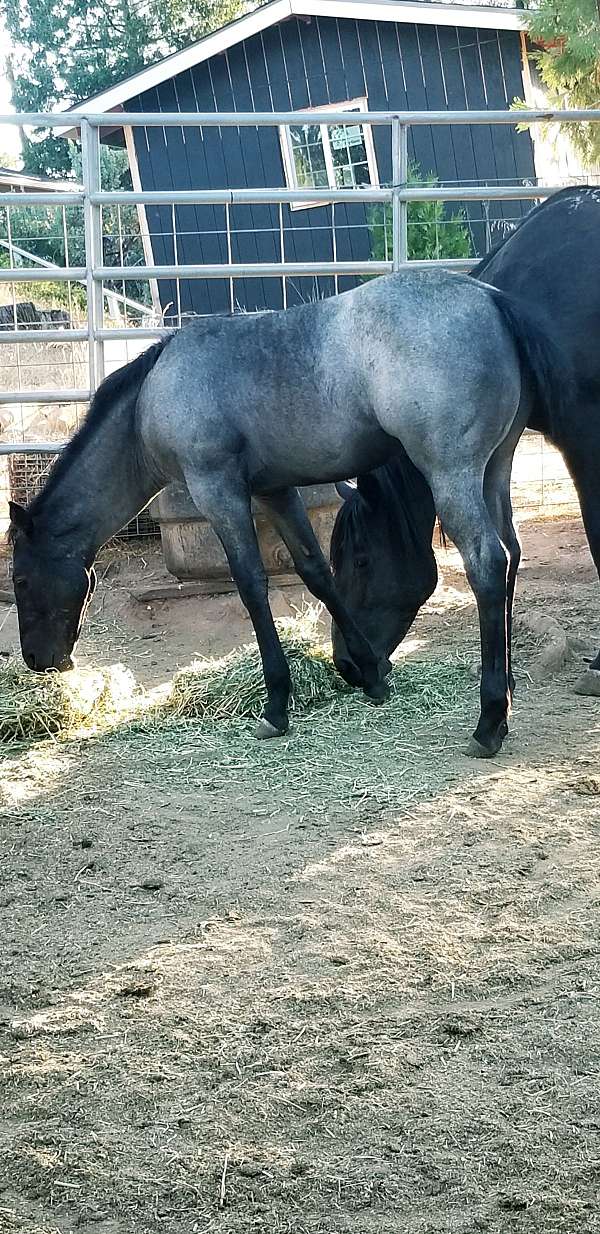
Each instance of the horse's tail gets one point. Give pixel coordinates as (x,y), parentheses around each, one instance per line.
(551,379)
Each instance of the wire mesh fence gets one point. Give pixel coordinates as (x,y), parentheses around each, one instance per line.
(88,278)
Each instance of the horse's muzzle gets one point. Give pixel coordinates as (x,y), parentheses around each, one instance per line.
(58,664)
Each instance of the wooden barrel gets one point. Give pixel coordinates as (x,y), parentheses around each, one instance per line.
(192,551)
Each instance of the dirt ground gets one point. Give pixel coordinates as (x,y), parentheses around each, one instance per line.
(229,1004)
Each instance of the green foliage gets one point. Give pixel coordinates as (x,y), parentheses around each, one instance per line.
(64,53)
(432,234)
(570,70)
(56,233)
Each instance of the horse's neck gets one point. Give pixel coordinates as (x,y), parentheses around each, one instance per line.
(101,488)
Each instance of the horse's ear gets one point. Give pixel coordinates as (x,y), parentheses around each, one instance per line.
(20,517)
(345,490)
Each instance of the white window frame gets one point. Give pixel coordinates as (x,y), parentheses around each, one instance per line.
(289,166)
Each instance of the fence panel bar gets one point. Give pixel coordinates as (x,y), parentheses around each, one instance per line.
(238,197)
(31,447)
(43,336)
(266,269)
(90,150)
(42,199)
(52,274)
(44,396)
(399,203)
(242,119)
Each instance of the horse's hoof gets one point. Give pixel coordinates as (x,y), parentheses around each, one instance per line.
(476,750)
(264,729)
(589,683)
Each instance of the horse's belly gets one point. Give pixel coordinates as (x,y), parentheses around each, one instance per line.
(309,462)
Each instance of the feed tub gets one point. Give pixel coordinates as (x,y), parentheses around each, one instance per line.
(192,551)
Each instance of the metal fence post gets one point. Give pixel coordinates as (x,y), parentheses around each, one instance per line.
(90,157)
(399,180)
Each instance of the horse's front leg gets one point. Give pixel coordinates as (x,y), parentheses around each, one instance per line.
(224,500)
(466,519)
(287,512)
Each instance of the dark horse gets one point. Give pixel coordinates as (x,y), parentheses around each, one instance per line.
(381,546)
(437,364)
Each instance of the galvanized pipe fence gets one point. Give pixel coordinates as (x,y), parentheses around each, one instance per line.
(92,200)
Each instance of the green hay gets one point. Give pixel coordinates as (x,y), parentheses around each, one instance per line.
(41,705)
(223,694)
(234,687)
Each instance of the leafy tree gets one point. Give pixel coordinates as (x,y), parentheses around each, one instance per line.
(65,52)
(431,232)
(568,32)
(62,53)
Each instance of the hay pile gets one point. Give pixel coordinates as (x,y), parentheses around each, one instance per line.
(234,687)
(51,704)
(229,690)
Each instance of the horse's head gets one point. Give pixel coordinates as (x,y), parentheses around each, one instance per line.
(52,592)
(382,559)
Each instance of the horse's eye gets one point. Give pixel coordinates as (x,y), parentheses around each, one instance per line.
(360,562)
(20,582)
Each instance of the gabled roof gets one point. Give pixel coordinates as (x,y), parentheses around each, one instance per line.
(420,12)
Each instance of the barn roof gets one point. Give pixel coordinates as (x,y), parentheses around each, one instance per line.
(10,178)
(420,12)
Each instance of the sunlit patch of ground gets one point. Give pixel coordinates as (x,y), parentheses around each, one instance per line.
(347,983)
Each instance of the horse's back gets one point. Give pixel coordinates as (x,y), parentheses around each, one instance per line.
(316,392)
(552,263)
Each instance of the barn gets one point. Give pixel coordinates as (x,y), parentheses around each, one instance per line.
(302,54)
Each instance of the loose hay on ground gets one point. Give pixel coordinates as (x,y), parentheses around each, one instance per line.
(234,685)
(228,691)
(37,705)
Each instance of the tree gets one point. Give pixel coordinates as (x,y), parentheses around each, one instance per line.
(432,234)
(65,52)
(568,35)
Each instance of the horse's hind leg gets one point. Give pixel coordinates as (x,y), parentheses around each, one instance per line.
(583,461)
(224,500)
(287,512)
(497,497)
(465,517)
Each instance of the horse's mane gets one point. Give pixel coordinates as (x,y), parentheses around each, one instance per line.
(124,380)
(403,499)
(569,191)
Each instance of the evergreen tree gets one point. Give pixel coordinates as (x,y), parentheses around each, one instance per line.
(568,32)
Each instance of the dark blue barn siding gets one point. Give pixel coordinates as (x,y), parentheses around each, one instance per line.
(313,63)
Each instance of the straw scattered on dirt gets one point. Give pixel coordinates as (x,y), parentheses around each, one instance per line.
(37,705)
(211,691)
(345,982)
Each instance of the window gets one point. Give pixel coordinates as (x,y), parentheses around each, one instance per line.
(329,155)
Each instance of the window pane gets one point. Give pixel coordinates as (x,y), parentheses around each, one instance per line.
(309,158)
(349,155)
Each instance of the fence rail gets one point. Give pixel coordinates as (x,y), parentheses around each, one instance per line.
(92,200)
(67,121)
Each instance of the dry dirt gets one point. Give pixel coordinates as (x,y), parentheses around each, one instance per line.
(224,1010)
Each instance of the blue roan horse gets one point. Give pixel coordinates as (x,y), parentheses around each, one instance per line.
(436,364)
(381,550)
